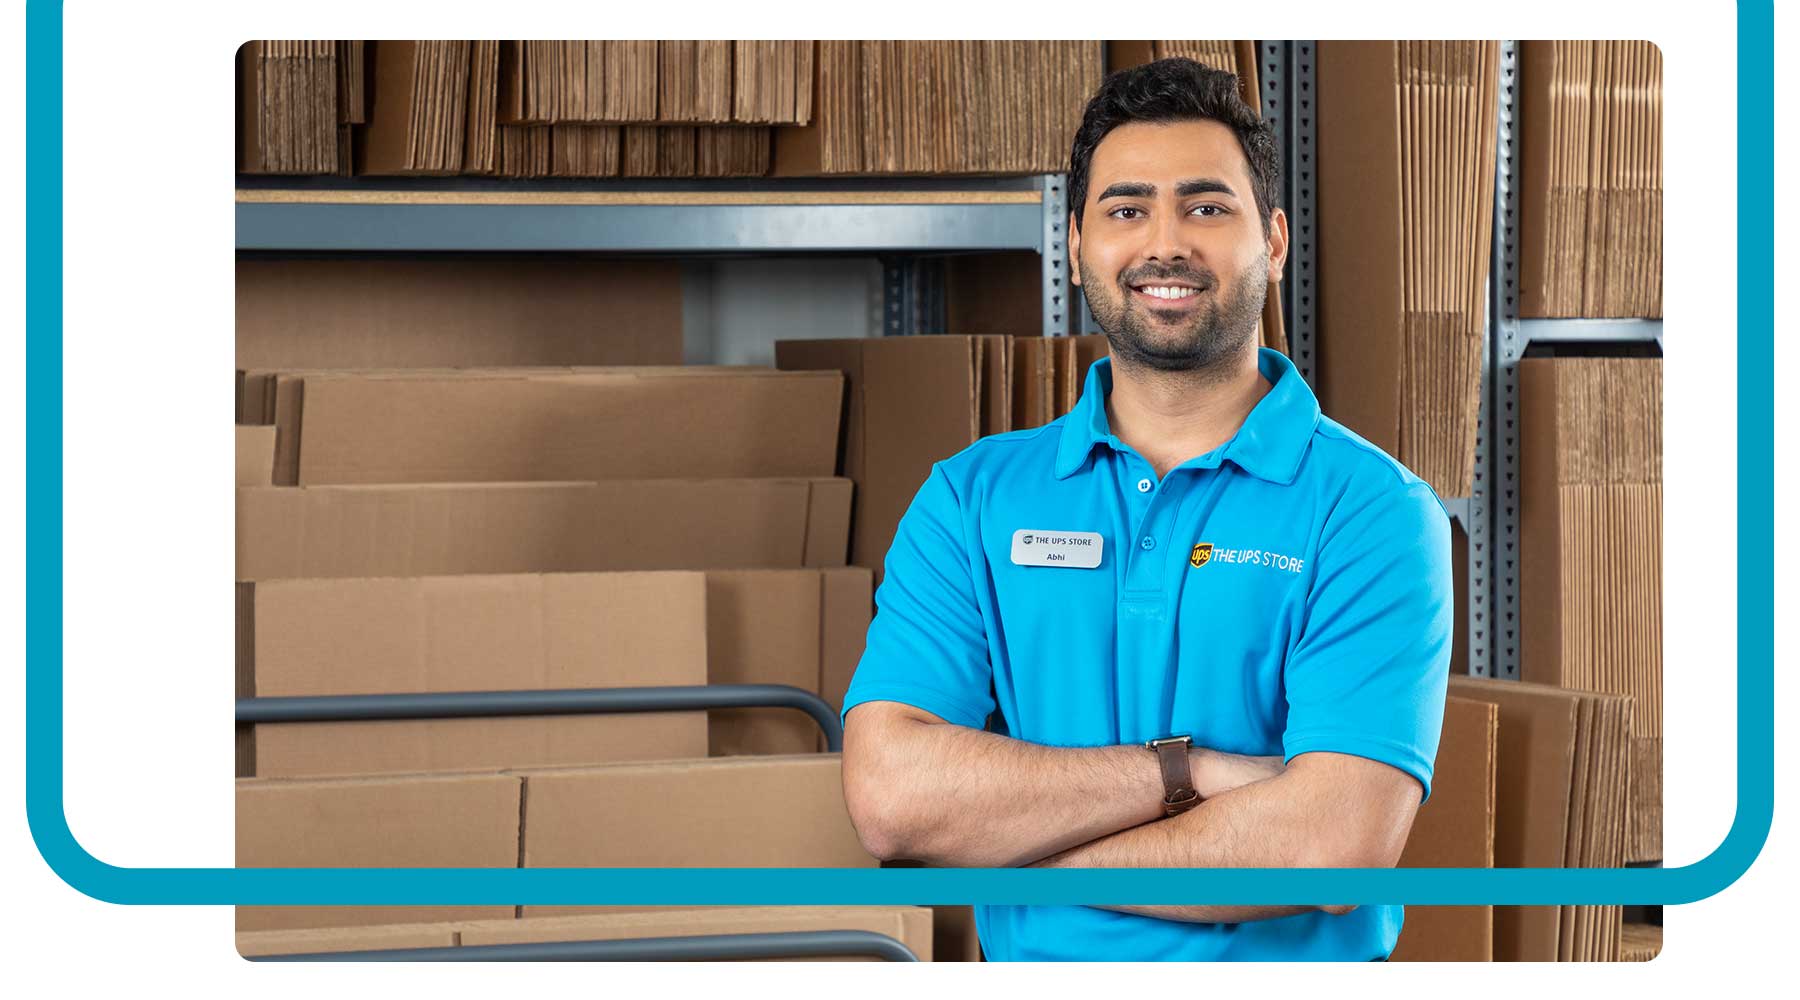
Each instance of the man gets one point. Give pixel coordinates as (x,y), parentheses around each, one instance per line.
(1194,551)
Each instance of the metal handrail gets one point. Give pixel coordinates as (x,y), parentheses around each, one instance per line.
(573,701)
(702,948)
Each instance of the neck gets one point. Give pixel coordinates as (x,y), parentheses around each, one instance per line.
(1171,417)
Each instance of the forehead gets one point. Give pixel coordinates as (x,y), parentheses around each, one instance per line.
(1164,153)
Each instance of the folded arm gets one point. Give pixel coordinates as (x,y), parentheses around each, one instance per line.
(1327,810)
(918,787)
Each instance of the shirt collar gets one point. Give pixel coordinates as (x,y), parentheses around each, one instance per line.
(1269,445)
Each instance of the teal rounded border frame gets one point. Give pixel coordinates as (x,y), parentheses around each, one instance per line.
(543,886)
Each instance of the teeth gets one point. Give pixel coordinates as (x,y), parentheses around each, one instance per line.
(1168,291)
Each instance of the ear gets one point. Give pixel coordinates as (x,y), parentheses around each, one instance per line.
(1074,252)
(1278,243)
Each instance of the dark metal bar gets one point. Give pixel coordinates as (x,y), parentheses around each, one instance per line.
(704,948)
(582,701)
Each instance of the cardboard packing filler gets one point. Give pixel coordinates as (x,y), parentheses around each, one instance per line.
(1405,224)
(1590,548)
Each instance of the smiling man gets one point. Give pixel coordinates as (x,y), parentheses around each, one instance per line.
(1194,623)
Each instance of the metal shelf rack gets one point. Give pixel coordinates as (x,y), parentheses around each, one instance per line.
(1498,442)
(904,221)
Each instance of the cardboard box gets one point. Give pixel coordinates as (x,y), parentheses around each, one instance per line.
(803,628)
(472,633)
(448,529)
(909,925)
(326,940)
(459,821)
(1590,520)
(255,456)
(489,426)
(1455,830)
(756,812)
(1406,133)
(912,401)
(1560,803)
(457,312)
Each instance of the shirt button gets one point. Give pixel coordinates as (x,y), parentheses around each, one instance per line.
(1145,486)
(1148,543)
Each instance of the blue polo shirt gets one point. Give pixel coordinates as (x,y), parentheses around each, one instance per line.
(1289,591)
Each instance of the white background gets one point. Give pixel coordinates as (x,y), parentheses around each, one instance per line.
(148,326)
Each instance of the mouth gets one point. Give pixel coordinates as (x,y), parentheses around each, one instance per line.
(1167,294)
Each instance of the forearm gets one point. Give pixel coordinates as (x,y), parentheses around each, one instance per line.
(951,795)
(1285,822)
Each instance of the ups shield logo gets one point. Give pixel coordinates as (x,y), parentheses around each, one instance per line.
(1202,555)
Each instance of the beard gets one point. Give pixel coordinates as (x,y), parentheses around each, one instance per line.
(1215,334)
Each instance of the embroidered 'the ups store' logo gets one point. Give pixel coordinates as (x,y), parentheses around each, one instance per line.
(1201,555)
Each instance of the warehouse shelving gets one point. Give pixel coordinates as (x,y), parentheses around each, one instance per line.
(1498,441)
(903,221)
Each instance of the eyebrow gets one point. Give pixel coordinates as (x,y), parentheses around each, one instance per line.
(1140,189)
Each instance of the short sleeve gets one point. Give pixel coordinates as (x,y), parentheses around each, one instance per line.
(1369,674)
(927,645)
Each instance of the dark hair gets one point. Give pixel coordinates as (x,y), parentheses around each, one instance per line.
(1175,90)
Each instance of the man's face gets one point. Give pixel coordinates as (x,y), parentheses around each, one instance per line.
(1171,253)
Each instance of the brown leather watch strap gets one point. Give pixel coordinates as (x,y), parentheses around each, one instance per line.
(1178,782)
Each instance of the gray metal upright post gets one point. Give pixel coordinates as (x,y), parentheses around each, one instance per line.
(1506,346)
(1053,255)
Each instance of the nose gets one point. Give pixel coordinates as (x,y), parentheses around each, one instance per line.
(1168,240)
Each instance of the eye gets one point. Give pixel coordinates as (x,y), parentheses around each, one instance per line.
(1209,210)
(1123,208)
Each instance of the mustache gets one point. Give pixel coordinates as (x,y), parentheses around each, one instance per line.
(1203,278)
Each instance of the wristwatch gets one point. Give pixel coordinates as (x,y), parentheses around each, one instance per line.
(1178,781)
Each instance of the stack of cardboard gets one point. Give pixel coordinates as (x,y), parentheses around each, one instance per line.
(701,151)
(288,104)
(1407,133)
(695,81)
(1455,829)
(420,113)
(1642,942)
(524,151)
(911,402)
(1590,192)
(772,82)
(1561,803)
(777,811)
(456,312)
(481,132)
(920,107)
(544,425)
(912,926)
(547,82)
(1591,545)
(1048,376)
(1235,57)
(585,150)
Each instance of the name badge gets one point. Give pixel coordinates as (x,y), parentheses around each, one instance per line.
(1067,549)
